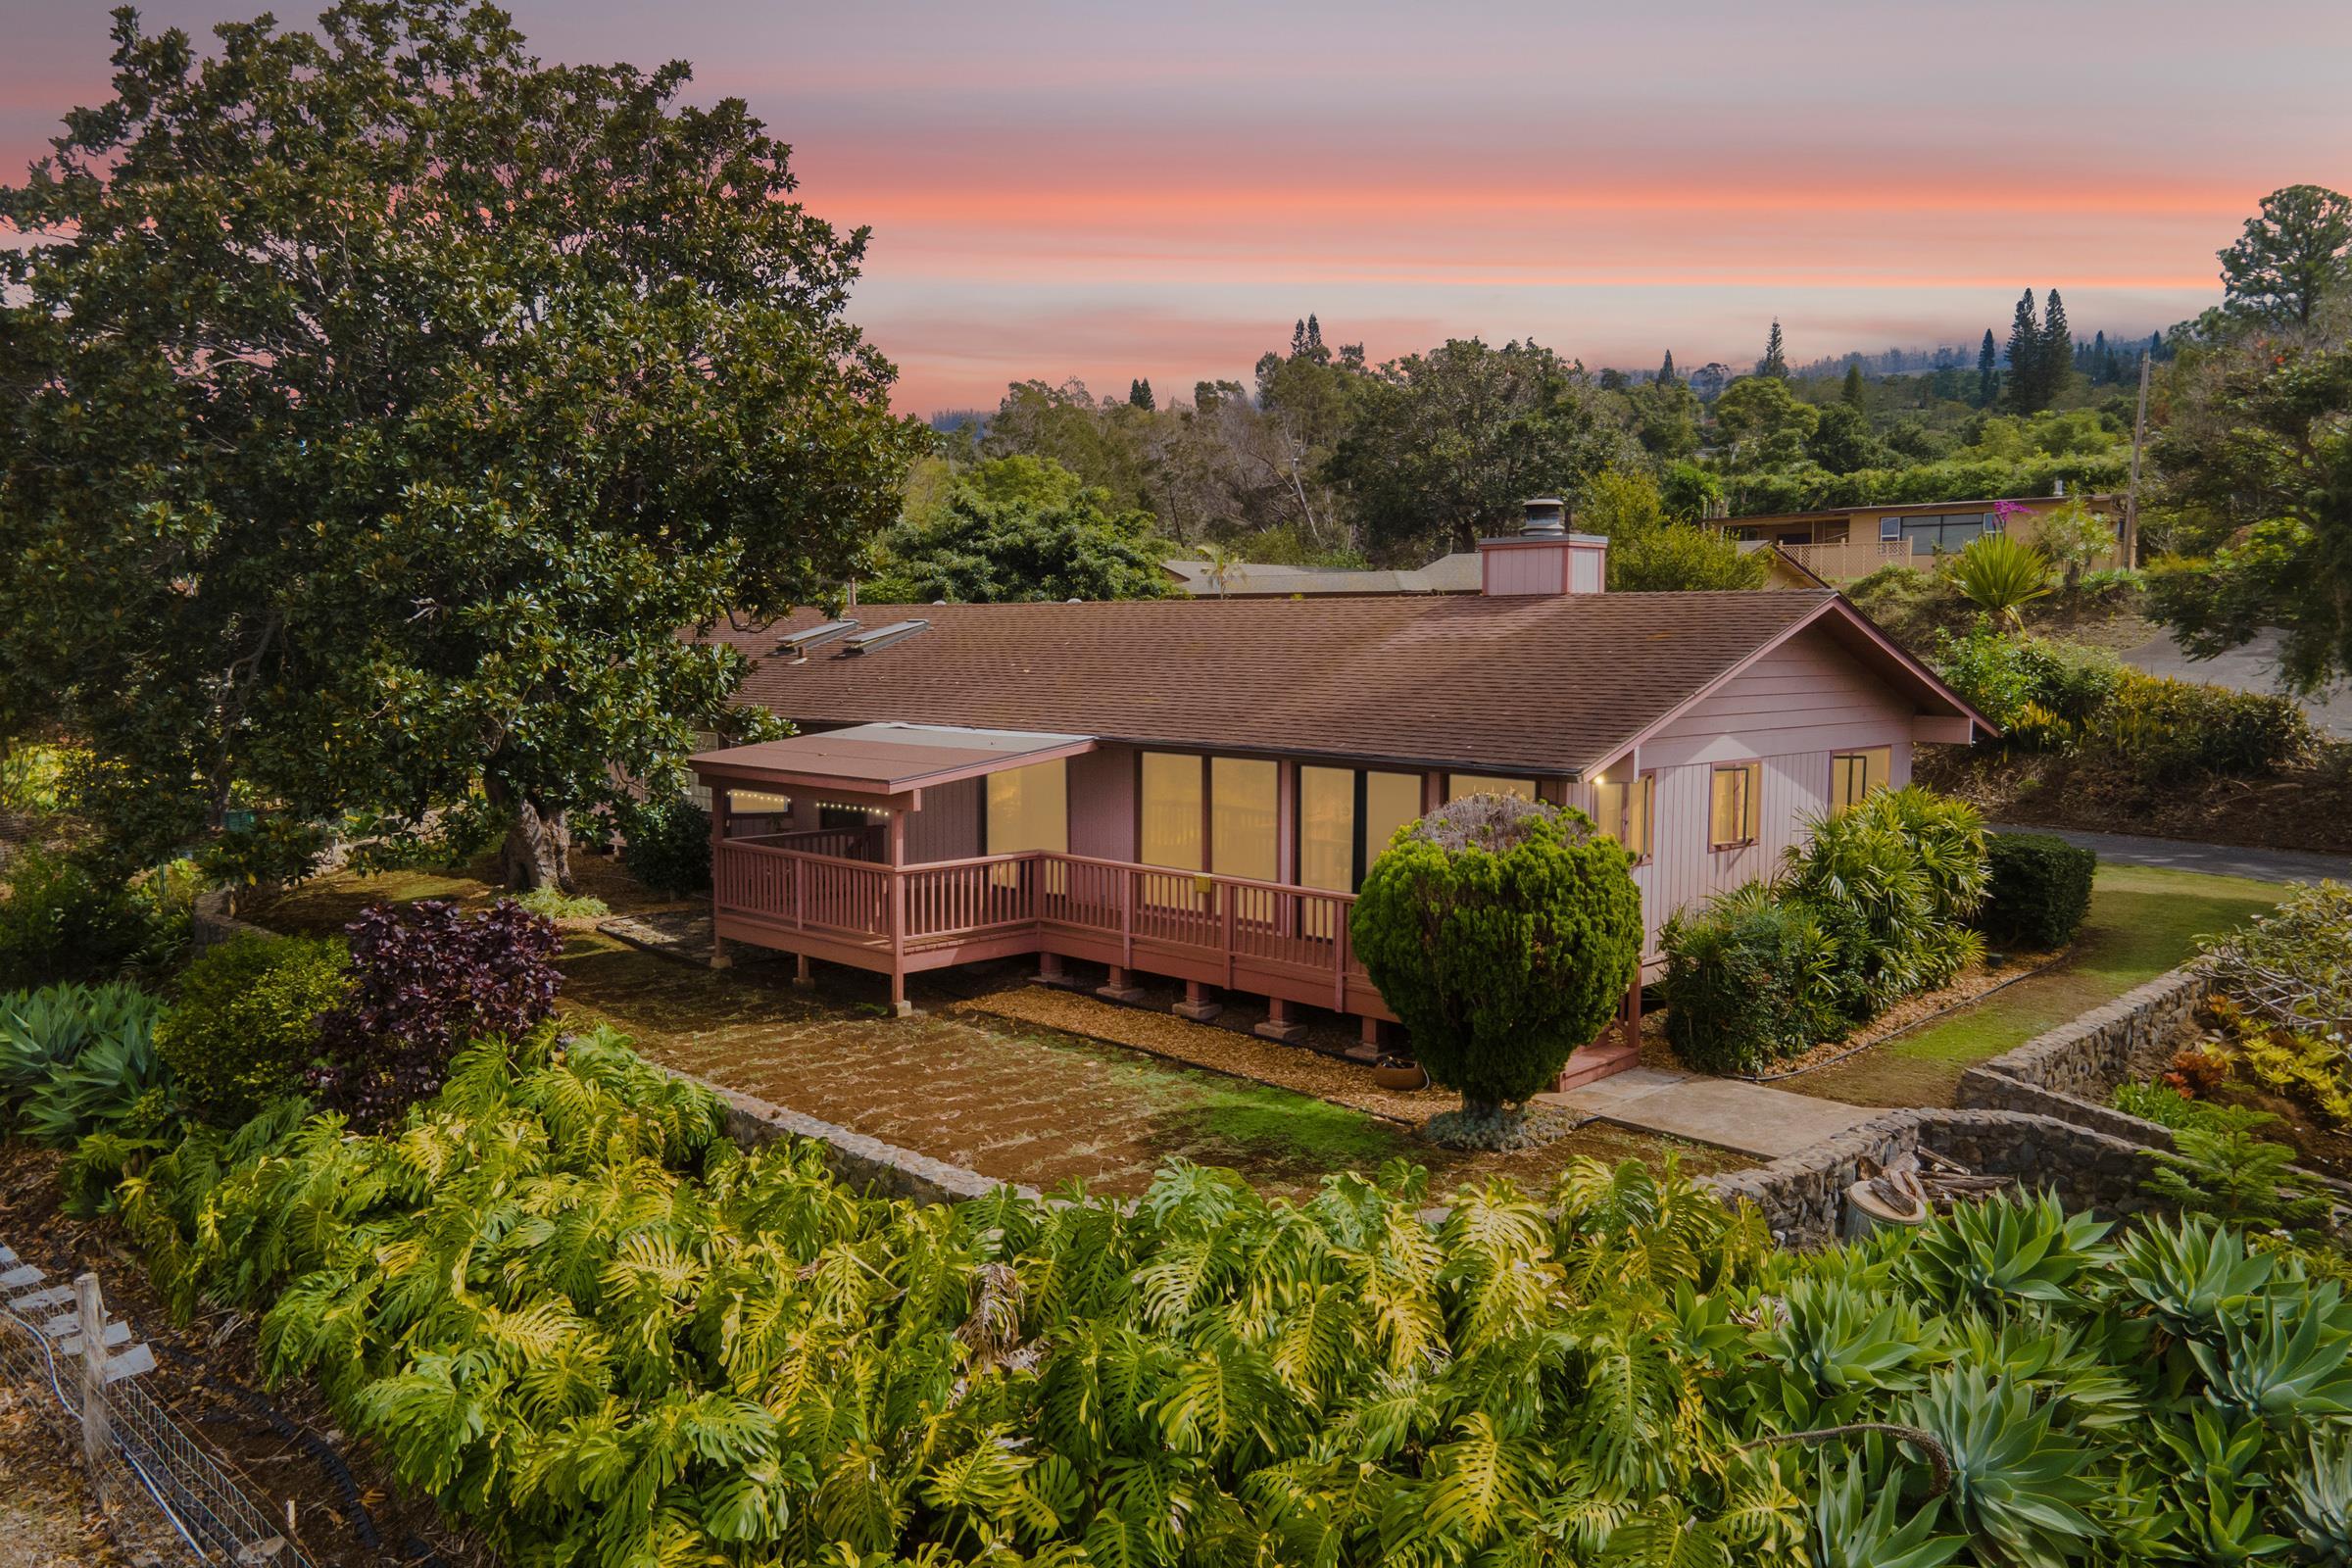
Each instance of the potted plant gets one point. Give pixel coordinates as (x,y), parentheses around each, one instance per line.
(1394,1072)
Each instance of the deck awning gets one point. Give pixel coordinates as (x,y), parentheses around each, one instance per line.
(882,760)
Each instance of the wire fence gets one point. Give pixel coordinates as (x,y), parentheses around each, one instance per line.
(160,1489)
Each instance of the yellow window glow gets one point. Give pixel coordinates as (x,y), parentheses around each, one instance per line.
(1170,833)
(1327,828)
(1241,805)
(1735,811)
(1029,808)
(1391,801)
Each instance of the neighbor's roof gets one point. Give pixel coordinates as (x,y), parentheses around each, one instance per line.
(889,758)
(1552,685)
(1457,573)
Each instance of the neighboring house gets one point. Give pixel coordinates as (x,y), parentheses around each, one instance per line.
(1194,788)
(1841,544)
(1457,573)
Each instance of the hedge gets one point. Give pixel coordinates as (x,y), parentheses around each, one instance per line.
(2040,889)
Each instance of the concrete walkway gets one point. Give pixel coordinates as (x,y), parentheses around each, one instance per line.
(2214,860)
(1746,1119)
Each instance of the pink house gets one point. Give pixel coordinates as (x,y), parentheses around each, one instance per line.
(1193,788)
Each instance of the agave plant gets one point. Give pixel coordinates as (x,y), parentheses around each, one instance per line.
(2318,1504)
(78,1060)
(2016,1481)
(2001,577)
(1849,1531)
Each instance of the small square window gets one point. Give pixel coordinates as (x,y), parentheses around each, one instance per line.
(1736,814)
(1889,530)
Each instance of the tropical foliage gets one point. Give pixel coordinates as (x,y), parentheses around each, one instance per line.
(562,1303)
(426,978)
(1505,933)
(244,1026)
(80,1060)
(2001,577)
(71,918)
(1873,905)
(666,844)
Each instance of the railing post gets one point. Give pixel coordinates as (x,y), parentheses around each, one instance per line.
(1339,958)
(96,1428)
(800,894)
(1229,891)
(1127,877)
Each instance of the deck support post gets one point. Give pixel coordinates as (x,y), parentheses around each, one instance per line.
(1120,985)
(1280,1026)
(900,1006)
(802,979)
(1197,1005)
(1371,1032)
(1050,972)
(718,844)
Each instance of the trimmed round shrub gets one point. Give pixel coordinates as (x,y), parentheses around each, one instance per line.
(246,1022)
(665,845)
(1751,980)
(1504,933)
(2040,889)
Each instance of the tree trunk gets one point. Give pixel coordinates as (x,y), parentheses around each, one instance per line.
(538,849)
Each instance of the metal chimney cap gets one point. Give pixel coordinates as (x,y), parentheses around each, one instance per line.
(1547,517)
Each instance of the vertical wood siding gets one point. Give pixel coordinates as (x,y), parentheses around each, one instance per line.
(1102,802)
(1792,709)
(946,825)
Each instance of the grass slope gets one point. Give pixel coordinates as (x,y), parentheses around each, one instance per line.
(2143,922)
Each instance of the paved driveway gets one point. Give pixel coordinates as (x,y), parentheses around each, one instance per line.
(2251,668)
(2214,860)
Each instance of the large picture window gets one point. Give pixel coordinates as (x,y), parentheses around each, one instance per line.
(1854,775)
(1029,808)
(1459,786)
(1174,795)
(1242,793)
(1345,819)
(1736,814)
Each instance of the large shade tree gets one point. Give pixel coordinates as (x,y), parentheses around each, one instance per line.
(1447,443)
(2294,253)
(376,406)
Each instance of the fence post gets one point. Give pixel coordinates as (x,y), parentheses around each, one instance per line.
(96,1430)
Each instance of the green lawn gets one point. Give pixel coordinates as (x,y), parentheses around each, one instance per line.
(2143,922)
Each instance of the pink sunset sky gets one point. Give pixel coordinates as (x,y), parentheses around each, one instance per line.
(1113,190)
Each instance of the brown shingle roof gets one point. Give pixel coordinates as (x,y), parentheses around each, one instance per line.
(1541,684)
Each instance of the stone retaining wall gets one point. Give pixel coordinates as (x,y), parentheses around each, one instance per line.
(1803,1195)
(2071,1071)
(212,922)
(867,1164)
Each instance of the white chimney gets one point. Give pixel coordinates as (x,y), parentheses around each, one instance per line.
(1543,557)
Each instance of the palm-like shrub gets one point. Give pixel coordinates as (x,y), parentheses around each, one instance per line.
(1504,934)
(562,1303)
(2001,577)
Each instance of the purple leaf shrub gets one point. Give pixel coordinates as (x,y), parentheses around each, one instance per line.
(426,979)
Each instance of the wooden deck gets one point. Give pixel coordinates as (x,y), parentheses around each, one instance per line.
(800,894)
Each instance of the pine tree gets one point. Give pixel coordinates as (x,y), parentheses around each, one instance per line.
(1666,375)
(2024,356)
(1853,383)
(1314,339)
(1139,395)
(1989,371)
(2057,362)
(1775,361)
(1298,339)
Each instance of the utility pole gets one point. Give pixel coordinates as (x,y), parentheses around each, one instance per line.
(2140,436)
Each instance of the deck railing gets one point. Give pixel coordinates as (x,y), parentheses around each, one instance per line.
(946,902)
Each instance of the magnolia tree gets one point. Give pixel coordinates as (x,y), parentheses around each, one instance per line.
(1504,933)
(378,404)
